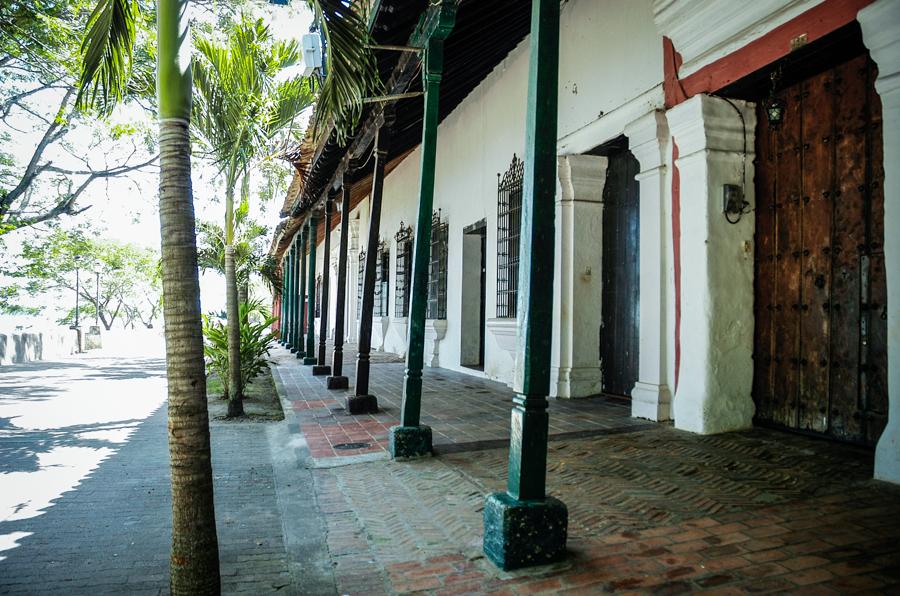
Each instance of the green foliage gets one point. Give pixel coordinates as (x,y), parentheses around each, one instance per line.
(130,283)
(249,245)
(257,338)
(352,71)
(239,103)
(106,52)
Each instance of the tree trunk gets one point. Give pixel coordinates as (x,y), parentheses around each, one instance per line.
(244,293)
(236,400)
(194,561)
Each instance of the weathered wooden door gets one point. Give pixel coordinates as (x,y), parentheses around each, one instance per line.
(820,354)
(620,317)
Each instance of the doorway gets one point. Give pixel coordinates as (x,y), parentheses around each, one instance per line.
(820,345)
(620,296)
(474,278)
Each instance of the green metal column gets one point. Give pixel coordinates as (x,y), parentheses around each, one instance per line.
(296,339)
(310,358)
(300,293)
(286,296)
(289,273)
(282,321)
(524,527)
(410,439)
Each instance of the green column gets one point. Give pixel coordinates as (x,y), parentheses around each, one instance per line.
(410,439)
(286,298)
(300,293)
(282,321)
(311,292)
(292,290)
(523,526)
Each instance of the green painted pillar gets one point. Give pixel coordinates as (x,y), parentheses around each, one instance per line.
(523,526)
(411,439)
(286,297)
(282,321)
(299,293)
(310,358)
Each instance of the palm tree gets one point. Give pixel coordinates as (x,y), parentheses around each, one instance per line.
(107,47)
(249,251)
(239,106)
(194,563)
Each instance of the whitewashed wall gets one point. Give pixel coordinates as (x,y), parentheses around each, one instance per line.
(611,55)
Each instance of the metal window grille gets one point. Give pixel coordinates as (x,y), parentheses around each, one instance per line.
(403,275)
(437,269)
(382,279)
(319,296)
(360,282)
(509,224)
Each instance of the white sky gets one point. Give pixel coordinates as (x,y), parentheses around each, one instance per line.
(125,209)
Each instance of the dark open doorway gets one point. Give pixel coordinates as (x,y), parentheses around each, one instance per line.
(473,295)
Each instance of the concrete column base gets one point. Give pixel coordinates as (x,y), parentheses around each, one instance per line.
(291,348)
(524,533)
(339,382)
(310,360)
(300,353)
(321,370)
(406,442)
(653,402)
(362,404)
(573,382)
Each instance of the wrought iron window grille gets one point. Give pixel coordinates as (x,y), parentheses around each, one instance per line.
(437,269)
(360,282)
(319,295)
(509,225)
(403,274)
(382,279)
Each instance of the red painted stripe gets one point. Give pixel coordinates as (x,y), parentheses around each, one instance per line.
(676,255)
(814,23)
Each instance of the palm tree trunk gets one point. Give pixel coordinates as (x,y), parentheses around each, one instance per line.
(236,399)
(194,561)
(244,292)
(232,312)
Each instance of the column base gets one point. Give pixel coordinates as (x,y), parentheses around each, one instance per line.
(362,404)
(524,533)
(339,382)
(300,353)
(293,350)
(310,361)
(321,370)
(409,441)
(653,402)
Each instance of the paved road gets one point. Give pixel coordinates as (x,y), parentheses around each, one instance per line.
(85,506)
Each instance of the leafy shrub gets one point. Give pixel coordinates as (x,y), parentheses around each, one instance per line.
(256,342)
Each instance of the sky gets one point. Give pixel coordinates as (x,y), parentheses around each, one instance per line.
(125,209)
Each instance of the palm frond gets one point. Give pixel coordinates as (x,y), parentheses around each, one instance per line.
(352,72)
(106,53)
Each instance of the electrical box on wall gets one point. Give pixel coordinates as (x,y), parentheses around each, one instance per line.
(732,199)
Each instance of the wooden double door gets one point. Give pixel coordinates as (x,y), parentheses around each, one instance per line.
(820,353)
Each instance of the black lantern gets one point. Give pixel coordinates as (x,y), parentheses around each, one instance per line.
(774,106)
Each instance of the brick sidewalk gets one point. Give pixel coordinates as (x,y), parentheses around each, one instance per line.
(464,412)
(651,509)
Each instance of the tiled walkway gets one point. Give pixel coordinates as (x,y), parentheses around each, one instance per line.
(651,509)
(465,412)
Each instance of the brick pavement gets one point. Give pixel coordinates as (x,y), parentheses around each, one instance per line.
(110,531)
(464,412)
(652,509)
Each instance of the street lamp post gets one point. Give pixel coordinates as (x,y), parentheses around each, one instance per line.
(97,297)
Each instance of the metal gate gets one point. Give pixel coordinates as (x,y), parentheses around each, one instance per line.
(820,353)
(620,301)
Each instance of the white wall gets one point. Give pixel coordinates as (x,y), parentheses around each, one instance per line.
(610,54)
